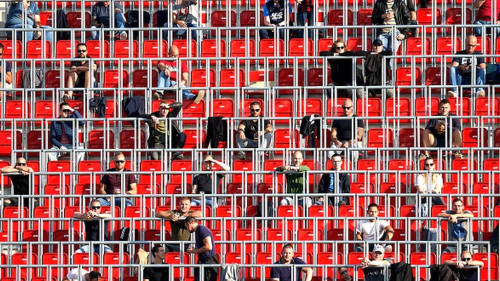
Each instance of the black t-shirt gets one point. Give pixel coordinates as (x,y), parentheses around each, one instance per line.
(470,274)
(433,122)
(156,273)
(468,60)
(252,127)
(21,184)
(204,183)
(92,230)
(344,128)
(78,63)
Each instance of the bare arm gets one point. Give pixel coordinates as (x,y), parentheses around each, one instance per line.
(207,246)
(334,137)
(267,21)
(478,3)
(309,273)
(482,65)
(455,64)
(164,215)
(102,189)
(132,189)
(269,128)
(223,165)
(361,131)
(378,263)
(8,77)
(184,79)
(389,232)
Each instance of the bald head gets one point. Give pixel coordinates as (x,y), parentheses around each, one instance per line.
(298,158)
(347,107)
(173,52)
(471,44)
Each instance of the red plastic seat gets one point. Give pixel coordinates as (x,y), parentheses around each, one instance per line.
(380,138)
(23,259)
(286,139)
(398,107)
(455,16)
(124,51)
(91,166)
(265,258)
(290,212)
(415,47)
(12,49)
(75,21)
(406,76)
(97,140)
(211,48)
(271,48)
(248,19)
(228,211)
(401,165)
(195,138)
(141,79)
(135,213)
(447,46)
(426,107)
(99,50)
(473,137)
(297,48)
(53,79)
(408,137)
(114,258)
(287,77)
(223,19)
(151,166)
(222,107)
(155,49)
(192,110)
(202,78)
(417,258)
(60,167)
(16,109)
(336,17)
(315,79)
(131,139)
(229,77)
(491,164)
(64,50)
(183,45)
(282,108)
(428,16)
(46,212)
(461,107)
(113,79)
(308,106)
(9,141)
(240,48)
(488,107)
(464,165)
(369,107)
(365,18)
(14,213)
(181,166)
(247,234)
(35,48)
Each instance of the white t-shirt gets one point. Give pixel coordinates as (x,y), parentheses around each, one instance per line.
(77,274)
(425,184)
(368,229)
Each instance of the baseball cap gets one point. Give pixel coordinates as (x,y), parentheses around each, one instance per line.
(377,42)
(378,248)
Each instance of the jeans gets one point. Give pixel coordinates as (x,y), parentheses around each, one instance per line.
(354,154)
(301,21)
(179,141)
(457,79)
(387,41)
(29,34)
(194,33)
(164,81)
(118,202)
(478,30)
(269,33)
(119,23)
(54,156)
(208,201)
(250,143)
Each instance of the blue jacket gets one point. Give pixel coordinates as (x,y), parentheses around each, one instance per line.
(56,129)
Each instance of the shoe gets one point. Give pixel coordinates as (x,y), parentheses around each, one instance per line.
(157,96)
(458,155)
(423,156)
(123,35)
(480,93)
(65,97)
(178,156)
(242,156)
(452,94)
(199,96)
(389,93)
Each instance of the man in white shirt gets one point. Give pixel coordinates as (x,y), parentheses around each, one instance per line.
(83,275)
(373,230)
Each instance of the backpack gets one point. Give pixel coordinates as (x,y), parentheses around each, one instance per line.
(98,105)
(161,18)
(27,81)
(62,22)
(133,18)
(133,107)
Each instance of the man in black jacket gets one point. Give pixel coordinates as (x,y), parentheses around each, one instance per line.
(335,183)
(159,130)
(390,13)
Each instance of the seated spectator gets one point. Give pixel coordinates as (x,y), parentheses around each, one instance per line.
(93,230)
(373,230)
(63,135)
(436,132)
(19,174)
(343,131)
(203,183)
(7,69)
(375,269)
(373,68)
(295,180)
(167,77)
(160,137)
(483,17)
(82,274)
(429,183)
(79,76)
(184,15)
(285,273)
(32,20)
(336,184)
(458,225)
(176,219)
(157,273)
(275,15)
(389,14)
(305,11)
(467,268)
(461,68)
(250,132)
(112,183)
(345,275)
(101,19)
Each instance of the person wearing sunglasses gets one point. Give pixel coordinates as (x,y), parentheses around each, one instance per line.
(206,184)
(19,174)
(375,268)
(429,183)
(79,76)
(64,133)
(250,131)
(111,183)
(458,225)
(8,69)
(467,267)
(93,231)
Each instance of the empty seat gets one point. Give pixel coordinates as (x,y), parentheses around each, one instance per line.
(215,49)
(223,19)
(337,17)
(271,48)
(124,51)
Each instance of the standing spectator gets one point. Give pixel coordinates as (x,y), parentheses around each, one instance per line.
(484,16)
(429,183)
(305,11)
(458,225)
(93,230)
(436,134)
(373,68)
(8,70)
(184,15)
(285,273)
(32,16)
(167,77)
(343,130)
(101,19)
(275,15)
(203,183)
(178,228)
(63,135)
(204,247)
(249,132)
(373,230)
(79,76)
(390,13)
(295,180)
(374,269)
(157,273)
(336,184)
(82,274)
(461,68)
(112,183)
(466,266)
(19,174)
(159,130)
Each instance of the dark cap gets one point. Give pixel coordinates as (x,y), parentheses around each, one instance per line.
(377,42)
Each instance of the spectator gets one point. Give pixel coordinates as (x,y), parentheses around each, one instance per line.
(184,15)
(93,230)
(32,16)
(63,135)
(483,16)
(167,77)
(345,274)
(373,230)
(374,268)
(466,267)
(342,131)
(373,68)
(157,273)
(295,180)
(204,247)
(413,12)
(159,130)
(203,183)
(275,15)
(458,225)
(19,174)
(390,13)
(112,183)
(101,19)
(285,273)
(336,184)
(249,133)
(8,70)
(82,274)
(79,76)
(461,68)
(305,11)
(435,133)
(178,228)
(431,186)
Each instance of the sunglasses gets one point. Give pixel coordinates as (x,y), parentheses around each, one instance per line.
(163,108)
(466,259)
(119,161)
(81,51)
(470,45)
(255,110)
(346,107)
(429,165)
(66,110)
(95,207)
(339,47)
(20,164)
